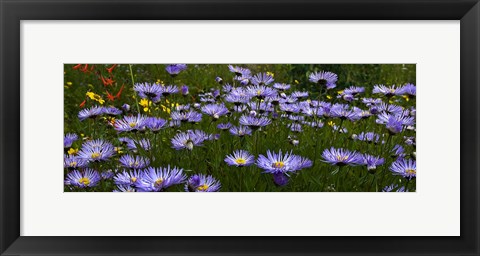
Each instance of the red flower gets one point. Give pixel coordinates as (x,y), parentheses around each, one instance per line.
(110,69)
(112,97)
(107,81)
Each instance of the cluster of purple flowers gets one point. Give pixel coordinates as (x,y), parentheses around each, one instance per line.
(251,105)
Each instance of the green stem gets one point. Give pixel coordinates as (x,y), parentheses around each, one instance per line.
(133,84)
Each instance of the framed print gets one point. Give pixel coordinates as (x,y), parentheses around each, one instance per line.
(269,104)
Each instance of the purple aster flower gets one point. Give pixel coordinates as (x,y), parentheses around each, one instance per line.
(392,187)
(184,90)
(240,158)
(297,94)
(240,131)
(155,124)
(240,109)
(68,139)
(362,114)
(175,69)
(215,110)
(281,86)
(74,162)
(224,126)
(132,144)
(261,108)
(126,107)
(237,99)
(96,150)
(262,79)
(409,89)
(295,127)
(288,100)
(112,111)
(188,140)
(280,179)
(370,101)
(368,137)
(191,116)
(169,89)
(124,188)
(227,88)
(395,123)
(282,163)
(290,108)
(296,118)
(131,123)
(92,112)
(134,162)
(354,90)
(254,122)
(398,150)
(202,183)
(324,78)
(184,108)
(406,168)
(390,108)
(347,97)
(372,161)
(341,157)
(108,174)
(261,91)
(239,71)
(244,80)
(159,179)
(152,92)
(128,178)
(87,178)
(387,91)
(343,112)
(219,80)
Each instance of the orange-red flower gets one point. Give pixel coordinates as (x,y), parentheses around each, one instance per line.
(110,69)
(107,81)
(117,96)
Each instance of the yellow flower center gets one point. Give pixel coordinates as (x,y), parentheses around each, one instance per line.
(259,92)
(84,180)
(278,164)
(240,161)
(159,181)
(132,124)
(95,155)
(342,158)
(411,172)
(133,179)
(203,187)
(73,164)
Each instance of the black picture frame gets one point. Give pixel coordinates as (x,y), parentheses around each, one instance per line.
(13,11)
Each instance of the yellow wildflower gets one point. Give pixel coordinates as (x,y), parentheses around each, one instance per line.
(270,74)
(296,81)
(145,104)
(72,151)
(95,97)
(331,123)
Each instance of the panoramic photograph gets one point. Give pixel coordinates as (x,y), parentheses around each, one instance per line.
(239,128)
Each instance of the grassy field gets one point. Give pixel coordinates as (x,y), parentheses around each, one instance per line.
(241,127)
